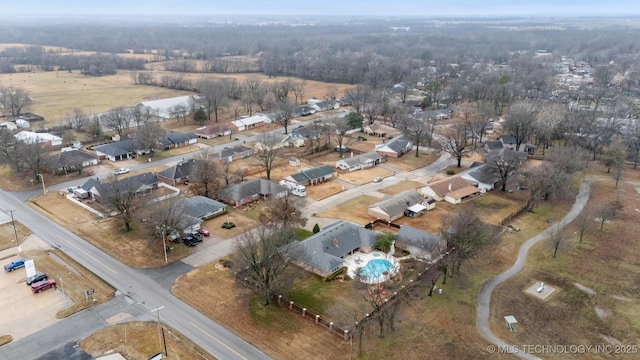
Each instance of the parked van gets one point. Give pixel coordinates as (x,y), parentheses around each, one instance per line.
(295,189)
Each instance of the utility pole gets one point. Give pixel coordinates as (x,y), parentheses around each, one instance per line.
(161,334)
(13,223)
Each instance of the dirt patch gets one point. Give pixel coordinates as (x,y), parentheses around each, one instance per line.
(324,190)
(354,210)
(136,340)
(8,235)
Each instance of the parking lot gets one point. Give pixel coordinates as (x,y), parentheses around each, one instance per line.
(21,311)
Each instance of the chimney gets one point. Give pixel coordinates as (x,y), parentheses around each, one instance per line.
(336,243)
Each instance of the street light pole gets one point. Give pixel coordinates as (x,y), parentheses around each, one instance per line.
(44,191)
(13,223)
(160,337)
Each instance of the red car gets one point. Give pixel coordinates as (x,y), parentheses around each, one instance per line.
(43,285)
(204,231)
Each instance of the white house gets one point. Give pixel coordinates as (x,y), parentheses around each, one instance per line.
(43,139)
(359,162)
(250,122)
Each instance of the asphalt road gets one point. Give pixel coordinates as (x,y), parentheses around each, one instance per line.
(484,297)
(136,286)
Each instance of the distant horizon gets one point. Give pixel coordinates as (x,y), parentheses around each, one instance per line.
(338,8)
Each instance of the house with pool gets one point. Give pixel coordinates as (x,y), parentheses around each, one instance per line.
(344,244)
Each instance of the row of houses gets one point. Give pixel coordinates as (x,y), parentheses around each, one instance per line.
(127,149)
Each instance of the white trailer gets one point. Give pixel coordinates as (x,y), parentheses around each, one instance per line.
(295,189)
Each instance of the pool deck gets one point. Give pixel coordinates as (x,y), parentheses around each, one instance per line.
(360,259)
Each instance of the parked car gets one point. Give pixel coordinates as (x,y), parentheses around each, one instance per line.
(204,231)
(189,241)
(378,179)
(122,171)
(15,264)
(197,236)
(174,236)
(37,278)
(344,148)
(43,285)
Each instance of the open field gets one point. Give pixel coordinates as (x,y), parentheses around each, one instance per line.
(596,301)
(324,190)
(133,248)
(354,210)
(364,176)
(245,218)
(137,340)
(57,92)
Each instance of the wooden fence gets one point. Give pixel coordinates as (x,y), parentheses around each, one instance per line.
(515,213)
(383,222)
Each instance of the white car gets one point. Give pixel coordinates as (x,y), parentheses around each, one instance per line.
(378,179)
(122,171)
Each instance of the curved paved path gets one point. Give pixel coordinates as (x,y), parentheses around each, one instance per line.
(484,297)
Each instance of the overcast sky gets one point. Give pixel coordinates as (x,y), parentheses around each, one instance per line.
(325,7)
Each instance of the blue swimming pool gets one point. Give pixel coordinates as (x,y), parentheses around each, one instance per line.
(375,268)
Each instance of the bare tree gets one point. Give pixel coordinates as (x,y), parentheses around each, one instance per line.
(180,112)
(418,131)
(584,222)
(297,89)
(13,101)
(163,217)
(546,182)
(32,157)
(148,136)
(251,88)
(8,151)
(265,256)
(504,166)
(632,139)
(466,233)
(556,238)
(341,134)
(270,145)
(205,178)
(216,95)
(520,121)
(285,211)
(284,113)
(117,119)
(456,141)
(121,195)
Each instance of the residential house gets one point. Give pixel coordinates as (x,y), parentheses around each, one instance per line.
(303,111)
(420,244)
(316,175)
(230,154)
(177,140)
(395,147)
(251,122)
(138,184)
(119,150)
(306,132)
(249,191)
(394,207)
(510,142)
(165,107)
(282,143)
(481,176)
(69,161)
(381,130)
(323,253)
(197,209)
(212,131)
(452,189)
(358,162)
(323,105)
(45,140)
(492,145)
(345,101)
(8,125)
(178,173)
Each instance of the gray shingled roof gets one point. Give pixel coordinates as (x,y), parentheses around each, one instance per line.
(72,157)
(398,144)
(133,183)
(182,169)
(362,158)
(315,173)
(116,148)
(418,238)
(399,203)
(237,192)
(326,249)
(231,151)
(200,206)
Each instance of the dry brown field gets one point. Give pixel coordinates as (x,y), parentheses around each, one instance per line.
(137,340)
(8,235)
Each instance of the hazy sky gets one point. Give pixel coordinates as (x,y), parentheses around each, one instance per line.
(325,7)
